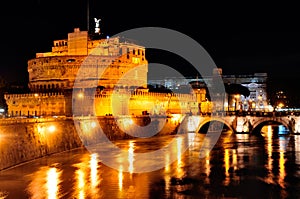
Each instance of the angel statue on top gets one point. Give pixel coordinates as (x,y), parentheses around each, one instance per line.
(97,27)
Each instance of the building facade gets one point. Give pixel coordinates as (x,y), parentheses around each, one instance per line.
(256,83)
(108,74)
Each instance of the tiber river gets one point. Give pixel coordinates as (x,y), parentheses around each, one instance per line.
(265,165)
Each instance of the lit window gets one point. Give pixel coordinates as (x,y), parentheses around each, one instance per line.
(136,60)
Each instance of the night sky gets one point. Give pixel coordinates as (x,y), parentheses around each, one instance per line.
(241,39)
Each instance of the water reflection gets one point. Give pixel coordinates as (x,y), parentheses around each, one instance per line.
(88,178)
(94,171)
(80,178)
(120,177)
(277,141)
(266,165)
(130,156)
(180,164)
(53,180)
(46,183)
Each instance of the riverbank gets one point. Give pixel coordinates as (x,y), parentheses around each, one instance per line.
(26,139)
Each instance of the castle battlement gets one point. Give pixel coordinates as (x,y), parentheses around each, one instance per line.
(58,69)
(32,95)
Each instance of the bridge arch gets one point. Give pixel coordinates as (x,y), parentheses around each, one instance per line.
(257,125)
(211,119)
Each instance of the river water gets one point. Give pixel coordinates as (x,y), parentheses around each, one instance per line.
(265,165)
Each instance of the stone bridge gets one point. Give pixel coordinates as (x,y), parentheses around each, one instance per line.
(244,123)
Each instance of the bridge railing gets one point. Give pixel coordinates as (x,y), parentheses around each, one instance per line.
(261,113)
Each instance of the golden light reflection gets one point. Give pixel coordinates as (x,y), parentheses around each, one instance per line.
(167,185)
(180,163)
(281,169)
(281,163)
(130,156)
(179,146)
(207,168)
(268,133)
(226,161)
(53,181)
(120,177)
(94,171)
(87,177)
(167,176)
(234,159)
(80,183)
(270,150)
(227,164)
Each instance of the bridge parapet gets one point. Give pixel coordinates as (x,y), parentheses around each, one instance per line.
(243,124)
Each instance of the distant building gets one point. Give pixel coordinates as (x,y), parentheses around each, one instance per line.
(281,101)
(256,83)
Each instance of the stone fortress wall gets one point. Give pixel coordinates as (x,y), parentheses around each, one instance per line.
(22,140)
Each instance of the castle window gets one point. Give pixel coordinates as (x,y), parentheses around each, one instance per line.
(128,57)
(71,60)
(56,44)
(138,51)
(66,43)
(133,52)
(128,51)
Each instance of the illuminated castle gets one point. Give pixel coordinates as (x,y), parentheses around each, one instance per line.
(52,77)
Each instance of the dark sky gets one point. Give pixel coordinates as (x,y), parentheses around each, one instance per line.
(241,39)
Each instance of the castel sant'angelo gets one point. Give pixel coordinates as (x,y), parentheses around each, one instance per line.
(54,75)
